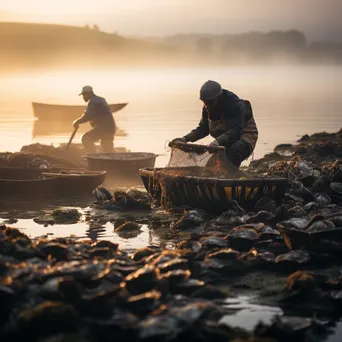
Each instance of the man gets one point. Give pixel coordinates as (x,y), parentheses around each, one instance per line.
(228,119)
(101,118)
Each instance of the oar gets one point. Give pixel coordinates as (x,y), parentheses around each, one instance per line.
(71,138)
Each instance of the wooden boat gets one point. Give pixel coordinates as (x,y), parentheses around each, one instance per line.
(75,182)
(27,187)
(56,181)
(54,112)
(121,165)
(211,194)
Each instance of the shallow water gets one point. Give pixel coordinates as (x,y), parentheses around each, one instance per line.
(288,102)
(248,315)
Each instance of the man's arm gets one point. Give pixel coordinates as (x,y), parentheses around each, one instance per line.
(201,131)
(89,114)
(236,122)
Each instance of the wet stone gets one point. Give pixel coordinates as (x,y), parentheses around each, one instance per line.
(174,264)
(194,246)
(242,238)
(142,253)
(224,254)
(213,242)
(294,257)
(144,303)
(142,280)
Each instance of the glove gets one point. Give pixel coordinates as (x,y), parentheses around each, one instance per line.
(76,124)
(212,146)
(177,140)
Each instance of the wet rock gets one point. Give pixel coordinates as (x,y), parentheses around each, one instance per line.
(265,204)
(293,259)
(101,194)
(322,200)
(261,216)
(100,244)
(311,206)
(143,198)
(188,221)
(242,238)
(142,253)
(304,138)
(174,264)
(43,320)
(299,223)
(66,215)
(213,242)
(44,220)
(143,280)
(268,232)
(128,229)
(55,250)
(284,147)
(336,187)
(131,201)
(175,278)
(320,226)
(224,254)
(298,189)
(144,303)
(297,211)
(194,246)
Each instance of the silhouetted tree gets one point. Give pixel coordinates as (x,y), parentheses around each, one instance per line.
(96,28)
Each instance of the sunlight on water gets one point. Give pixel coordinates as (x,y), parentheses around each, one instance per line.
(83,231)
(288,102)
(248,315)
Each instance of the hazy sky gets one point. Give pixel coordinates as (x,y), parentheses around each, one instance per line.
(317,18)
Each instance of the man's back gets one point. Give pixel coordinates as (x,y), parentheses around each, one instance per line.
(99,112)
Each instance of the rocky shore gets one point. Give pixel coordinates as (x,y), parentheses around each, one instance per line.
(287,255)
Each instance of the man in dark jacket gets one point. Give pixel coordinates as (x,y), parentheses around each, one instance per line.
(228,119)
(101,118)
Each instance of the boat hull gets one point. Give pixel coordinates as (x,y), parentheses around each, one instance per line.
(121,165)
(28,187)
(15,180)
(53,112)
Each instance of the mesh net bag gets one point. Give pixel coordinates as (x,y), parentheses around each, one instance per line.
(191,161)
(195,160)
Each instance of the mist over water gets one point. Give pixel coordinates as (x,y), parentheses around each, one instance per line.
(288,102)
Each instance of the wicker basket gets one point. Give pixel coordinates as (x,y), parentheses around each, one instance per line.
(211,194)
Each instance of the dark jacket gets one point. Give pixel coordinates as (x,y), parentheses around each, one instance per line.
(236,122)
(99,114)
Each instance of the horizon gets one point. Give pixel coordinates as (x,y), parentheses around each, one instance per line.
(317,20)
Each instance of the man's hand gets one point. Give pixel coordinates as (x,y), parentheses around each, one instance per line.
(213,146)
(177,140)
(76,124)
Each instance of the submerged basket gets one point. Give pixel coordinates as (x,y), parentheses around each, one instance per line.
(211,194)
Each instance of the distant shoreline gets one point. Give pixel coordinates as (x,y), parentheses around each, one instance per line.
(27,46)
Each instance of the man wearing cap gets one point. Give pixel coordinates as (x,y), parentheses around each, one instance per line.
(99,115)
(228,119)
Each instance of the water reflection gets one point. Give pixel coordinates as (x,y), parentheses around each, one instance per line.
(248,315)
(95,233)
(43,128)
